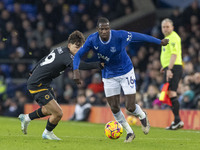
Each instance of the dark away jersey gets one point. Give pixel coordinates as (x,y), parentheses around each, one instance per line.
(52,65)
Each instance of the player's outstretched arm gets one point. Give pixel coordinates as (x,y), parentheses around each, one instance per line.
(139,37)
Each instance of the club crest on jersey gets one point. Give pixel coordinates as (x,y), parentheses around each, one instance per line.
(113,49)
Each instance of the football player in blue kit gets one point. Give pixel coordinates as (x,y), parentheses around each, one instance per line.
(118,70)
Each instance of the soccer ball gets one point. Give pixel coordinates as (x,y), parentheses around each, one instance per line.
(131,120)
(113,130)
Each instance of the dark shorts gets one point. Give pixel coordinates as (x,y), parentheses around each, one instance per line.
(177,74)
(44,95)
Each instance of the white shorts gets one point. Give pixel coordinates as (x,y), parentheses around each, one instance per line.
(127,82)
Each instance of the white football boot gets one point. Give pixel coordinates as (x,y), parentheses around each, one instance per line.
(50,136)
(129,138)
(145,124)
(24,123)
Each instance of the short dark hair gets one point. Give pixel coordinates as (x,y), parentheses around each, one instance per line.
(102,20)
(77,38)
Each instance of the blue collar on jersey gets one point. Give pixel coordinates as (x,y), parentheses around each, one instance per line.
(106,41)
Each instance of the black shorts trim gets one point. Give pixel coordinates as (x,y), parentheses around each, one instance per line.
(44,96)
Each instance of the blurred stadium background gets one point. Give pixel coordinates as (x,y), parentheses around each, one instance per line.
(29,29)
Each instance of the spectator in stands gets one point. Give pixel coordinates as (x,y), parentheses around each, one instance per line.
(193,9)
(106,11)
(91,97)
(49,16)
(194,82)
(89,25)
(176,17)
(68,94)
(96,85)
(5,17)
(95,8)
(186,99)
(188,68)
(82,109)
(3,87)
(48,43)
(10,108)
(3,52)
(139,99)
(33,52)
(20,70)
(157,104)
(21,100)
(40,34)
(68,23)
(124,7)
(12,48)
(1,6)
(60,34)
(82,25)
(150,96)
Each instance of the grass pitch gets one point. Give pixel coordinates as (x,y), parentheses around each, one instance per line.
(88,136)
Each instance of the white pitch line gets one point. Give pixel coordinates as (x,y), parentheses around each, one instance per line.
(190,131)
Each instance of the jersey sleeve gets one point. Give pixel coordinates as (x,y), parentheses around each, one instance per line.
(85,48)
(139,37)
(173,44)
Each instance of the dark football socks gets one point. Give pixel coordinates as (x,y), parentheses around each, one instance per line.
(175,109)
(36,114)
(50,126)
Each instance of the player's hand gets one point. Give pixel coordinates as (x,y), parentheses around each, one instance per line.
(164,42)
(169,75)
(76,76)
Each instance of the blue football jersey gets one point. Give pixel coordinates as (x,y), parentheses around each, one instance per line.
(113,52)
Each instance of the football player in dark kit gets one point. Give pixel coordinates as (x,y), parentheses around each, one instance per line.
(38,84)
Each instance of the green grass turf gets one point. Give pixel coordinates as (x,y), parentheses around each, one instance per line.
(88,136)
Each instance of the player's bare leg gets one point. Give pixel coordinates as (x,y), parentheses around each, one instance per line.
(137,111)
(114,102)
(56,115)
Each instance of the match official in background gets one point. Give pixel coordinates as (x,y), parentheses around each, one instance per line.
(171,61)
(82,109)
